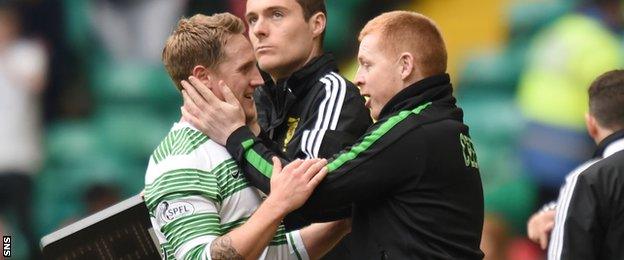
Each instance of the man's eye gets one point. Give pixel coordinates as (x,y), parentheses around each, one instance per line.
(278,15)
(252,20)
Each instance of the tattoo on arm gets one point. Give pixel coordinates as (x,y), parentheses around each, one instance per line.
(222,248)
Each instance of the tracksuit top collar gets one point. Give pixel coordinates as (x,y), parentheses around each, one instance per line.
(300,82)
(431,89)
(611,144)
(284,93)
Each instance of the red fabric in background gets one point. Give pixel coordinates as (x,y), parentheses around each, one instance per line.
(237,7)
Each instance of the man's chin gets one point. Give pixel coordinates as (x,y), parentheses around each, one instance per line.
(374,114)
(269,64)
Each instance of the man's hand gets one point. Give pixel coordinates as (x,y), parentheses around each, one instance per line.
(214,117)
(293,185)
(540,225)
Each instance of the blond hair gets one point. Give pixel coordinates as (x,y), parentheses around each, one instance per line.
(198,40)
(403,31)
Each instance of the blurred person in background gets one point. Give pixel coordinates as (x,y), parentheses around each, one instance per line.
(99,196)
(590,208)
(96,197)
(563,60)
(23,66)
(544,221)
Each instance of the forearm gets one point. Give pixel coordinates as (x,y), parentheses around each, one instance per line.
(319,238)
(249,240)
(254,157)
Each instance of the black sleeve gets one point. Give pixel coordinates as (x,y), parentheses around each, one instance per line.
(374,167)
(254,157)
(391,154)
(581,227)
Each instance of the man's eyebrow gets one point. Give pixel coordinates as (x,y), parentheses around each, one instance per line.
(267,10)
(247,65)
(275,8)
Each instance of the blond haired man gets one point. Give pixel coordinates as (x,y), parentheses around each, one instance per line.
(200,204)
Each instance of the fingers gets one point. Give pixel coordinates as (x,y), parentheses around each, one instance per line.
(189,104)
(539,227)
(530,232)
(549,226)
(543,240)
(193,94)
(306,165)
(314,169)
(293,166)
(191,118)
(277,166)
(228,95)
(316,179)
(204,90)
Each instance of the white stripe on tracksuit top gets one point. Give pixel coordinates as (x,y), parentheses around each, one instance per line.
(555,246)
(328,114)
(563,202)
(195,193)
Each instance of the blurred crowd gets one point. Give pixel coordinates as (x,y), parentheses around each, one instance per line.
(84,99)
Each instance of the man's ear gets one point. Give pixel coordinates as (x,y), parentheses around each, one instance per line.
(201,72)
(318,22)
(406,65)
(592,125)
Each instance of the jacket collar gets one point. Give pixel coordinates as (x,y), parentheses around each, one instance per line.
(302,80)
(610,145)
(431,89)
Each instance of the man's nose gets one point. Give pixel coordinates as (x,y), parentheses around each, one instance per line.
(256,80)
(359,78)
(260,29)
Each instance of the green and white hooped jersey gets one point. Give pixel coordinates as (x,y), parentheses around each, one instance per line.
(195,193)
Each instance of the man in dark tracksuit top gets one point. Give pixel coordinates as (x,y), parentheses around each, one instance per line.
(314,113)
(590,210)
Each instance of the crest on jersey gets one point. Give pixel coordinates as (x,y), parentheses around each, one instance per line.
(292,126)
(235,173)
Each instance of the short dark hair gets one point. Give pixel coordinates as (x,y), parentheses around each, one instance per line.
(312,7)
(606,99)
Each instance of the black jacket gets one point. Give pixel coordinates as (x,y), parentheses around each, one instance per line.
(590,210)
(314,113)
(412,178)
